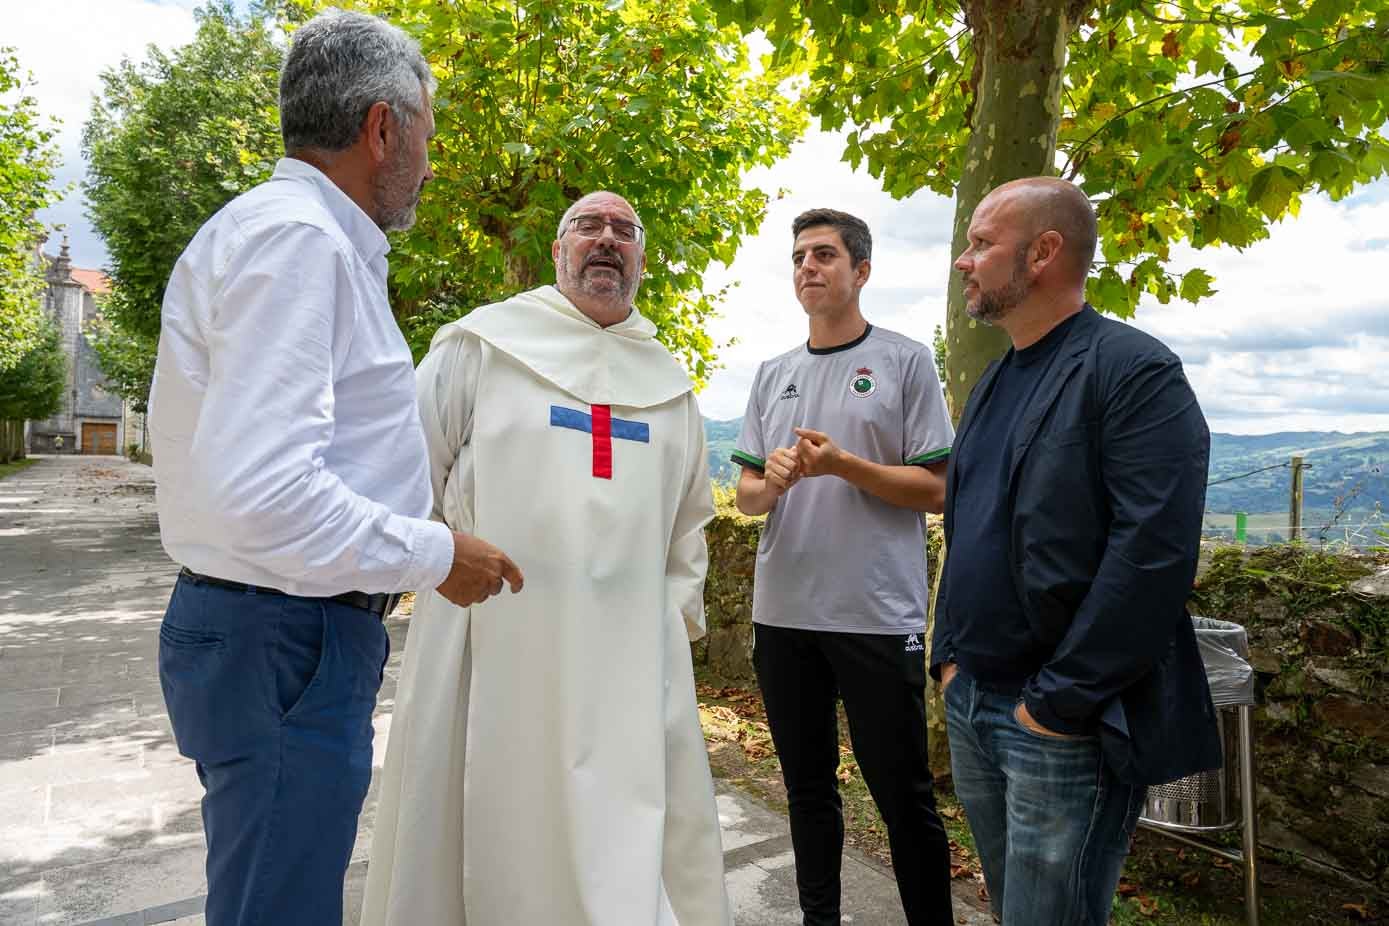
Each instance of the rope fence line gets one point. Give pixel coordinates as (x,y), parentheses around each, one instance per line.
(1339,523)
(1253,472)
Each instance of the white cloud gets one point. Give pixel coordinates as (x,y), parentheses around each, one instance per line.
(65,44)
(1297,338)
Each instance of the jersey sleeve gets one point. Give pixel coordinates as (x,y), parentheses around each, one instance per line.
(751,449)
(926,432)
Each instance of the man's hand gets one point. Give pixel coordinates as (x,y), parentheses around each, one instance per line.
(819,455)
(1021,714)
(478,572)
(947,672)
(783,470)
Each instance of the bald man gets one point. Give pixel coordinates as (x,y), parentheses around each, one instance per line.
(546,764)
(1073,512)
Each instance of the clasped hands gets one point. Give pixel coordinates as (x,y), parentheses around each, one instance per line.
(814,454)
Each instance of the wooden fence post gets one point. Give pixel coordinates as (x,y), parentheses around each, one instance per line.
(1295,503)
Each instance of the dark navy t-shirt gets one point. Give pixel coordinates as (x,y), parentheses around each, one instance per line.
(992,638)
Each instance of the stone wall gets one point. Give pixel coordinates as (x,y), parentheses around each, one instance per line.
(727,649)
(1318,625)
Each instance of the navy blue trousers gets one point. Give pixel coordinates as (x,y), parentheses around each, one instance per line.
(272,696)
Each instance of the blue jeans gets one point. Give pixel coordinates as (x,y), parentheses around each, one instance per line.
(272,696)
(1051,822)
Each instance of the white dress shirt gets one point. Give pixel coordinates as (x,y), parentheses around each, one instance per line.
(287,443)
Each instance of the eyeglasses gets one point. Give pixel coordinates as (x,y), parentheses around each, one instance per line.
(591,226)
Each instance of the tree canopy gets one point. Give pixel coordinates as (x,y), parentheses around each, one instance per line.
(541,102)
(33,388)
(27,161)
(169,142)
(1201,121)
(535,106)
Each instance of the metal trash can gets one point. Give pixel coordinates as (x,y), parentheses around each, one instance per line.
(1210,801)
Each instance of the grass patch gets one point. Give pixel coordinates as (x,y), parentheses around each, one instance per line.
(9,469)
(1163,881)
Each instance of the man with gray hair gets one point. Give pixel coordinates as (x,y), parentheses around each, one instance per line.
(291,475)
(546,763)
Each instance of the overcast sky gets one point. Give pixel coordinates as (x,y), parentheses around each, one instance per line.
(1297,338)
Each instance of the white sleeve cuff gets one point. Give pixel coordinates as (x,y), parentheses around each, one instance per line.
(432,548)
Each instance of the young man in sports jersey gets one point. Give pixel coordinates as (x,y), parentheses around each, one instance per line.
(844,444)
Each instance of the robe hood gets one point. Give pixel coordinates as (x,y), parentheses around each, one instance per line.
(622,364)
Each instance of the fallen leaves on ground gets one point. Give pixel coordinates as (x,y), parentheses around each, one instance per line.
(721,713)
(738,721)
(1359,911)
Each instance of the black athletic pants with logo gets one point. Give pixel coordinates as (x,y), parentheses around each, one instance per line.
(881,679)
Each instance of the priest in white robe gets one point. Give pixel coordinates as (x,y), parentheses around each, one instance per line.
(545,765)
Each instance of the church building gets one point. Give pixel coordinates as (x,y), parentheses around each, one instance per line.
(93,418)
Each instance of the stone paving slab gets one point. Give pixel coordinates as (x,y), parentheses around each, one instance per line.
(101,822)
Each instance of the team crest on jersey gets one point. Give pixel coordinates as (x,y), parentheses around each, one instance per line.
(863,384)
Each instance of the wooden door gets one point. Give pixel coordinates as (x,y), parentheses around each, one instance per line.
(98,438)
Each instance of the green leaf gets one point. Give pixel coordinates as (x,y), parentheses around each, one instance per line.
(1196,285)
(1108,292)
(1273,188)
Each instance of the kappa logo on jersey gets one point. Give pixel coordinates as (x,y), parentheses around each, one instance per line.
(789,393)
(863,384)
(914,644)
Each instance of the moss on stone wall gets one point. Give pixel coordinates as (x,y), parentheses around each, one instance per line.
(1322,655)
(732,539)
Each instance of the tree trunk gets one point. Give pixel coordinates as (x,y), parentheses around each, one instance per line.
(11,440)
(1020,55)
(522,273)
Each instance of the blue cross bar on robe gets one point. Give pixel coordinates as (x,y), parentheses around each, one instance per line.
(604,427)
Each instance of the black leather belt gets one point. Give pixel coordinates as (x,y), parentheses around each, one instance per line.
(381,604)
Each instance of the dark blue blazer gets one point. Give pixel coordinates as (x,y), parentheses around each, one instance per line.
(1106,497)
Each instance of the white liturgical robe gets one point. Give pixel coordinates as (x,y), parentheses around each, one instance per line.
(545,762)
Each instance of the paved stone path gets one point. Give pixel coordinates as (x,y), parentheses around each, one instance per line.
(99,819)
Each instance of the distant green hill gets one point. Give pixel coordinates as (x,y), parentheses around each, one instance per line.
(1347,469)
(723,437)
(1350,470)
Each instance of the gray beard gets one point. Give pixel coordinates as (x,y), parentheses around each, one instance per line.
(618,292)
(393,199)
